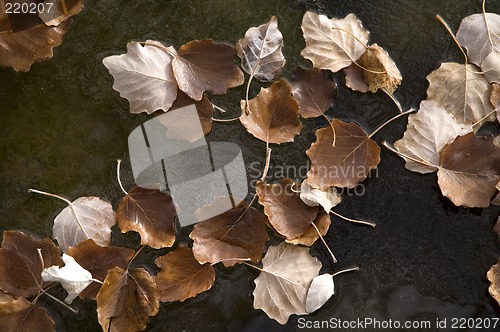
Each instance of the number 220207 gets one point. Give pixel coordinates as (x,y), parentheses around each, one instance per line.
(28,8)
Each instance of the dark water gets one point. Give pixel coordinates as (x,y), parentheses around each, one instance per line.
(63,127)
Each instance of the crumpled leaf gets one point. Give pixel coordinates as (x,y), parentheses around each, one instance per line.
(21,265)
(281,288)
(150,213)
(181,276)
(313,197)
(333,43)
(144,76)
(376,59)
(345,164)
(495,98)
(98,260)
(72,276)
(236,233)
(18,315)
(126,300)
(60,11)
(260,51)
(427,132)
(274,114)
(202,65)
(493,276)
(313,91)
(469,170)
(310,236)
(320,291)
(462,93)
(476,38)
(287,213)
(491,67)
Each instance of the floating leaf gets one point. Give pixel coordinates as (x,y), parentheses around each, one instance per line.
(281,288)
(333,43)
(181,276)
(274,114)
(461,91)
(491,67)
(126,300)
(60,11)
(320,291)
(493,276)
(72,276)
(313,197)
(344,164)
(144,76)
(150,213)
(260,51)
(313,91)
(310,236)
(236,233)
(18,315)
(202,65)
(21,265)
(428,131)
(98,260)
(287,213)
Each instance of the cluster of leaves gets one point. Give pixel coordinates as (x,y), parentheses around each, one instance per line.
(30,36)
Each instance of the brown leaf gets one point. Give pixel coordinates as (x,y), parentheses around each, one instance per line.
(496,200)
(377,59)
(274,114)
(126,300)
(322,221)
(493,276)
(150,213)
(287,213)
(20,263)
(495,98)
(60,11)
(345,164)
(98,260)
(202,65)
(237,233)
(181,276)
(20,315)
(354,79)
(313,91)
(469,170)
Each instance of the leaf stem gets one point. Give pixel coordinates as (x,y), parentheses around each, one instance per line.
(247,107)
(220,109)
(447,27)
(161,47)
(483,118)
(324,242)
(391,148)
(389,121)
(268,162)
(348,269)
(135,256)
(356,221)
(255,267)
(51,195)
(62,303)
(118,164)
(333,129)
(225,120)
(398,104)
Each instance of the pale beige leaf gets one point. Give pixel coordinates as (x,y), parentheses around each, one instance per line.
(491,67)
(333,43)
(327,198)
(59,11)
(354,79)
(320,291)
(281,288)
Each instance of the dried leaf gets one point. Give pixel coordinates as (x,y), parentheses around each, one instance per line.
(286,212)
(281,288)
(313,197)
(491,67)
(333,43)
(313,91)
(126,300)
(149,212)
(202,65)
(20,315)
(274,114)
(21,265)
(495,99)
(480,35)
(344,164)
(462,92)
(144,76)
(310,236)
(260,51)
(181,276)
(320,291)
(98,260)
(354,79)
(469,170)
(376,59)
(496,201)
(72,276)
(428,131)
(60,11)
(493,276)
(236,233)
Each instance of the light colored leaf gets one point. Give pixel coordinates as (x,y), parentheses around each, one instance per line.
(493,276)
(313,197)
(281,288)
(59,11)
(376,59)
(427,132)
(354,79)
(310,236)
(333,43)
(461,91)
(144,76)
(491,67)
(260,51)
(72,276)
(320,291)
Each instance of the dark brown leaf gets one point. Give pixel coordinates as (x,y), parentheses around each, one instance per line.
(150,213)
(181,276)
(20,315)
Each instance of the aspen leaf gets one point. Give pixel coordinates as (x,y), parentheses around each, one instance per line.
(321,290)
(354,79)
(60,11)
(493,276)
(491,67)
(20,315)
(310,236)
(313,197)
(260,51)
(281,288)
(182,276)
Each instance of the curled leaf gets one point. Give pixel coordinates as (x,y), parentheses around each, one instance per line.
(313,197)
(321,290)
(493,276)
